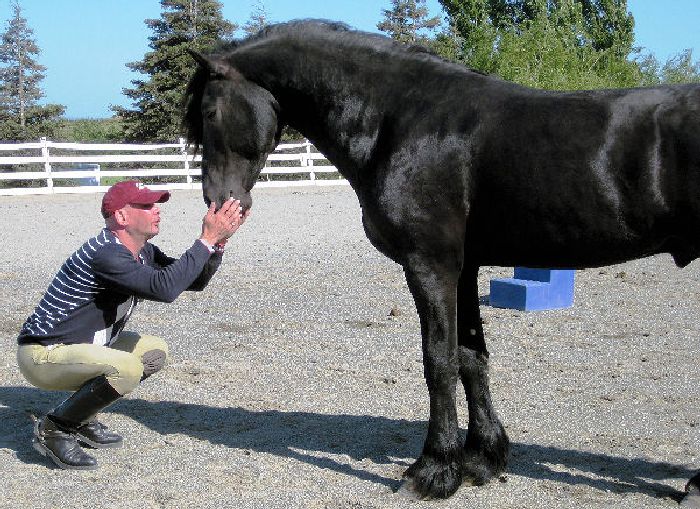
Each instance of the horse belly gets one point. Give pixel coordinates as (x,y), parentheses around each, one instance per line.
(571,215)
(537,252)
(559,240)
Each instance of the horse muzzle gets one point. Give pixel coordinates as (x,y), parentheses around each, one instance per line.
(245,199)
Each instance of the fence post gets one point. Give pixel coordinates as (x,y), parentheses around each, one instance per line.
(47,164)
(309,161)
(183,151)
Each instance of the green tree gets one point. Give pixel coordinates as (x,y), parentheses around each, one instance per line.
(552,44)
(649,68)
(407,20)
(448,44)
(157,100)
(681,69)
(258,19)
(21,115)
(608,26)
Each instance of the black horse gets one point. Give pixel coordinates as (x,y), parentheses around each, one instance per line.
(453,170)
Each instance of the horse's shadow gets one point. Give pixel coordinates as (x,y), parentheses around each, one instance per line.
(324,440)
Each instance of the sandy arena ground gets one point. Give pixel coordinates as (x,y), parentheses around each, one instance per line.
(290,386)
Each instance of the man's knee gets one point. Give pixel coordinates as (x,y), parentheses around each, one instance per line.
(151,352)
(127,377)
(157,343)
(153,361)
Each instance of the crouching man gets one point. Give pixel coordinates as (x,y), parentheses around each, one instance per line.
(75,339)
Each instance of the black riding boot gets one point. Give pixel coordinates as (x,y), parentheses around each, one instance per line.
(57,434)
(61,447)
(96,435)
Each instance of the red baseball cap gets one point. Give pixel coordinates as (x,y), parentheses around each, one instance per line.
(128,192)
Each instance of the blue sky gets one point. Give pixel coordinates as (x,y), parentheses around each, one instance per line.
(86,43)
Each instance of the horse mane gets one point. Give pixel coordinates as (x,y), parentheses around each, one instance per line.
(298,27)
(338,31)
(329,31)
(192,121)
(335,31)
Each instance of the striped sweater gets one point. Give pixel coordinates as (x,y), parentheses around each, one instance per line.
(96,289)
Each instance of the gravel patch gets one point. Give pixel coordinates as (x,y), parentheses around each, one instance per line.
(290,385)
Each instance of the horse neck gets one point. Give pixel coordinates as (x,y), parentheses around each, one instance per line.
(329,94)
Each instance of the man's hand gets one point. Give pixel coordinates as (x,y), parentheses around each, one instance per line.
(219,225)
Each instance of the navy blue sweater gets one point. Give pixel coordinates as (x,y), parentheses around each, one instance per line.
(96,289)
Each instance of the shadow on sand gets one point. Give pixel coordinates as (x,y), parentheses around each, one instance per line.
(314,438)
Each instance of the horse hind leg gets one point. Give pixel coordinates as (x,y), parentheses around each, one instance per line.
(487,446)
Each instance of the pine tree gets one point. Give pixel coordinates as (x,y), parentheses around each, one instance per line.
(406,20)
(21,117)
(183,24)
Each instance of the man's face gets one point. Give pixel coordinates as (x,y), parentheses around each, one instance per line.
(143,220)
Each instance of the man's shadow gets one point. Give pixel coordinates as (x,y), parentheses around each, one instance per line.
(322,440)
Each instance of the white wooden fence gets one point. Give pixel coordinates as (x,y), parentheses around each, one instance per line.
(58,167)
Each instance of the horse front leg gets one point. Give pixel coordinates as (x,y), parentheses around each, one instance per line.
(486,446)
(691,500)
(437,473)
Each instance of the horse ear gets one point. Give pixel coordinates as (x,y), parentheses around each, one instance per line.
(216,66)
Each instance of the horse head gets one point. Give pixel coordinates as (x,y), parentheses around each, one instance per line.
(235,121)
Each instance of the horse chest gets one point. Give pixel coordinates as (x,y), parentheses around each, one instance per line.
(381,236)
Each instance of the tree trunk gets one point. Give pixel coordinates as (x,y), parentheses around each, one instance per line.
(21,92)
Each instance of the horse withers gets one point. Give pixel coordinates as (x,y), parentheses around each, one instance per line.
(454,170)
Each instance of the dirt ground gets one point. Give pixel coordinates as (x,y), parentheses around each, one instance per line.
(289,385)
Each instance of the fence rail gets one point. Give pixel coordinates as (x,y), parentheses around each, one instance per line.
(93,167)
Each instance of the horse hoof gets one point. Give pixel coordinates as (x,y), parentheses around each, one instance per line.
(407,491)
(429,479)
(485,459)
(692,497)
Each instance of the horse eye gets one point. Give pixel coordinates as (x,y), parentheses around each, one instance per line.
(211,114)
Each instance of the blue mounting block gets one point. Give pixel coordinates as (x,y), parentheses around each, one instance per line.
(534,290)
